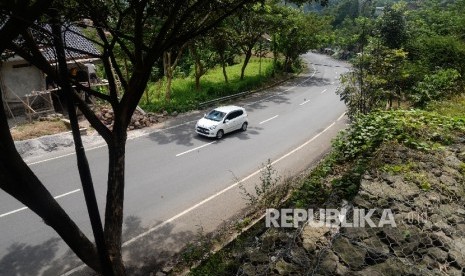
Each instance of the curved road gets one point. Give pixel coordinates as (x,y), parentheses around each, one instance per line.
(178,182)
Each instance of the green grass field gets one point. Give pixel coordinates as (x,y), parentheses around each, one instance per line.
(185,97)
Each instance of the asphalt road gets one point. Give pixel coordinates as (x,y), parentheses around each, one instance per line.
(173,175)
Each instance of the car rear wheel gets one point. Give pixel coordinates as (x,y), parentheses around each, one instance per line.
(219,134)
(244,127)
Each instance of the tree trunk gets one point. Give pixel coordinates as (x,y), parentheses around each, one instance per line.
(115,198)
(223,64)
(248,55)
(17,179)
(168,74)
(197,82)
(83,164)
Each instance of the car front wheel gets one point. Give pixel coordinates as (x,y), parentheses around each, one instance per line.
(244,127)
(219,134)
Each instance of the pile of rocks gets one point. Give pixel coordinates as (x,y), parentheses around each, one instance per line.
(426,194)
(138,120)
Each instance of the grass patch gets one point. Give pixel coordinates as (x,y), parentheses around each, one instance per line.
(454,107)
(185,97)
(37,129)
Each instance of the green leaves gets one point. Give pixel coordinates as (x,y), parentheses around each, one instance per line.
(435,86)
(415,128)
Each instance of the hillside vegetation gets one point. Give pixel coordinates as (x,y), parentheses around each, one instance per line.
(408,161)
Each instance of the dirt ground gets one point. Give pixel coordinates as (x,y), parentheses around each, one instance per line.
(26,130)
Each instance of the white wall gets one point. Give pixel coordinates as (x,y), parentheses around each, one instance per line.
(20,80)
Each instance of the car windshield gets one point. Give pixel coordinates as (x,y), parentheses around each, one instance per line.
(215,115)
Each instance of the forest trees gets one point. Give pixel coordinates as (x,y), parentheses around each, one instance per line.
(410,54)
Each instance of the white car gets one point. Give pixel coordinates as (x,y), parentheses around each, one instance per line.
(222,120)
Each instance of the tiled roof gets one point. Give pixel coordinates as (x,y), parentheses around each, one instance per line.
(76,45)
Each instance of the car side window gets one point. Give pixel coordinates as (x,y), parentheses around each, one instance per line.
(239,113)
(230,116)
(236,114)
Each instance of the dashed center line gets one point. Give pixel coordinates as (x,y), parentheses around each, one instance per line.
(323,91)
(262,122)
(24,208)
(194,149)
(307,101)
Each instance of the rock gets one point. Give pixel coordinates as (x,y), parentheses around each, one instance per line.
(328,263)
(457,252)
(361,202)
(441,240)
(175,113)
(356,233)
(256,256)
(249,269)
(375,190)
(436,172)
(376,246)
(437,254)
(314,237)
(433,197)
(429,262)
(367,177)
(285,268)
(452,161)
(391,266)
(165,113)
(353,256)
(299,257)
(421,202)
(405,190)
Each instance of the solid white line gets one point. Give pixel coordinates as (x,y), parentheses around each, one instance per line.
(68,193)
(64,155)
(155,228)
(24,208)
(175,126)
(104,145)
(262,122)
(307,101)
(12,212)
(277,94)
(128,242)
(323,91)
(340,117)
(182,153)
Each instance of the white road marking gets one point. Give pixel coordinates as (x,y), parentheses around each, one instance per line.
(307,101)
(323,91)
(277,94)
(182,153)
(170,220)
(104,145)
(340,117)
(24,208)
(267,120)
(175,126)
(128,242)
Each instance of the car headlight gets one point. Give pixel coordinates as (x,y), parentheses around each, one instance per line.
(212,127)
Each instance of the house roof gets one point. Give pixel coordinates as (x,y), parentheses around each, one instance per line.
(76,45)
